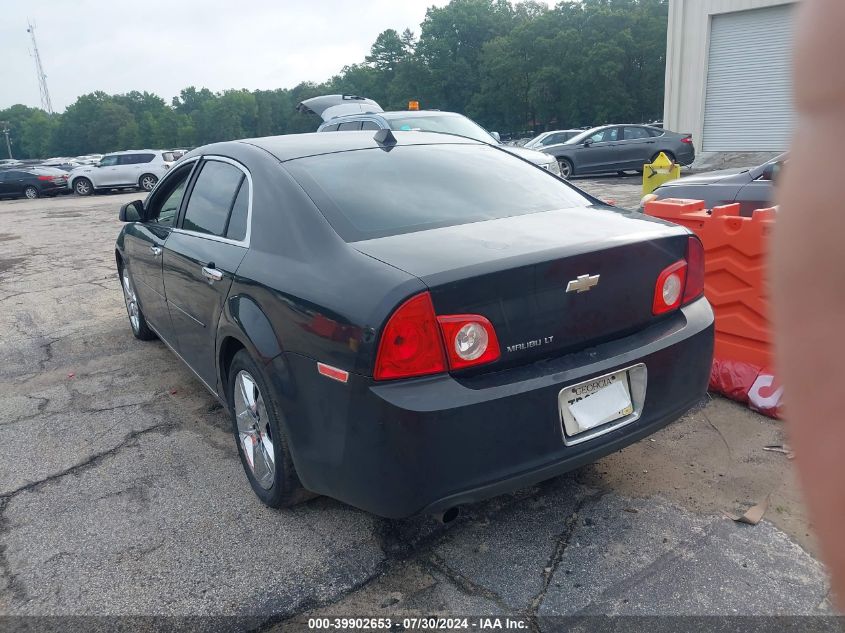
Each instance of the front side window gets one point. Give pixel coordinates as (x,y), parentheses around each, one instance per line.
(212,197)
(108,161)
(164,206)
(370,125)
(607,135)
(330,128)
(370,193)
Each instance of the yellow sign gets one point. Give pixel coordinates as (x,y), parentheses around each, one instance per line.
(660,171)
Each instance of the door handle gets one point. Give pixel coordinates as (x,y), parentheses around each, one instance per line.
(155,250)
(212,274)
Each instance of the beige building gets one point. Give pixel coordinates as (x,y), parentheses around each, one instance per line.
(728,65)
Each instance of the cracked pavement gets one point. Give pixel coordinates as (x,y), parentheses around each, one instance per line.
(121,492)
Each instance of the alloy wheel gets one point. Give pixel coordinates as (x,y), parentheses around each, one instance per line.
(254,429)
(131,301)
(82,187)
(148,182)
(31,193)
(565,169)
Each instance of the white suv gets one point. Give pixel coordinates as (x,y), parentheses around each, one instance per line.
(139,168)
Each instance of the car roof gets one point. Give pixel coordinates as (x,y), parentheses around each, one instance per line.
(293,146)
(133,151)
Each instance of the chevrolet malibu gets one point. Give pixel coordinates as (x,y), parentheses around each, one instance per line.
(406,321)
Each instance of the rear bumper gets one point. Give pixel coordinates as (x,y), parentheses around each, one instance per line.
(424,445)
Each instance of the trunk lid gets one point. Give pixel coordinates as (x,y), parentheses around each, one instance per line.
(515,272)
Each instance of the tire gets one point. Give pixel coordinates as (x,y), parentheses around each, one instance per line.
(83,187)
(30,192)
(262,444)
(566,169)
(137,322)
(147,182)
(669,155)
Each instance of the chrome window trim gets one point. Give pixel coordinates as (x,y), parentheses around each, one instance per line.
(216,238)
(167,176)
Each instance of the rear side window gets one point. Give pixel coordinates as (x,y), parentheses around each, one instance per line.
(330,128)
(370,125)
(134,159)
(371,193)
(656,132)
(349,125)
(634,133)
(168,157)
(211,198)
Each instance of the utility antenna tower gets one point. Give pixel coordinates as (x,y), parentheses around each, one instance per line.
(46,104)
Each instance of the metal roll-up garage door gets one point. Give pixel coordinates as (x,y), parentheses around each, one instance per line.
(748,103)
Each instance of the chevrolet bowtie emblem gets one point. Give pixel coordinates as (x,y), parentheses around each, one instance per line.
(583,283)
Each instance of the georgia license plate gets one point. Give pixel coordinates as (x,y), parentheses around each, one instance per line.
(595,402)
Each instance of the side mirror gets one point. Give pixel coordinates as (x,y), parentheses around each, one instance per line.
(496,136)
(588,142)
(133,212)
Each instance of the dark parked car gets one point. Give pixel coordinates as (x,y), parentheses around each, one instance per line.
(410,322)
(32,182)
(751,188)
(620,148)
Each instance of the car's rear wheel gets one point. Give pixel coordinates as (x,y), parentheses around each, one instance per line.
(83,187)
(565,167)
(147,182)
(30,192)
(262,445)
(136,317)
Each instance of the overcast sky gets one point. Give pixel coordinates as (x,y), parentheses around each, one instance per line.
(163,46)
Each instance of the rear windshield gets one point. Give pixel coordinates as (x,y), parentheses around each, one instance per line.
(168,157)
(443,123)
(372,193)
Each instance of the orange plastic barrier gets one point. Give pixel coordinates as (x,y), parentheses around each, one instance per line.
(735,249)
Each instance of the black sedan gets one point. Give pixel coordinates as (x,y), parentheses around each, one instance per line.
(620,148)
(750,188)
(32,182)
(410,322)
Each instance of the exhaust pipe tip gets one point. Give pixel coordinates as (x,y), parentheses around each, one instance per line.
(447,516)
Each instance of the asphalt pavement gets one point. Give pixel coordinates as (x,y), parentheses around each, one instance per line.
(121,492)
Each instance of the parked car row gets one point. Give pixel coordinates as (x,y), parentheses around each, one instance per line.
(131,169)
(32,182)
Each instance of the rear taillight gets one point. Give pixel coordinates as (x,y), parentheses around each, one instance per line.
(411,344)
(413,341)
(669,290)
(682,282)
(695,270)
(470,340)
(45,178)
(687,140)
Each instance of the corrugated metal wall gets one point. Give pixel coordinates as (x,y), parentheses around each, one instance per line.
(687,56)
(748,99)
